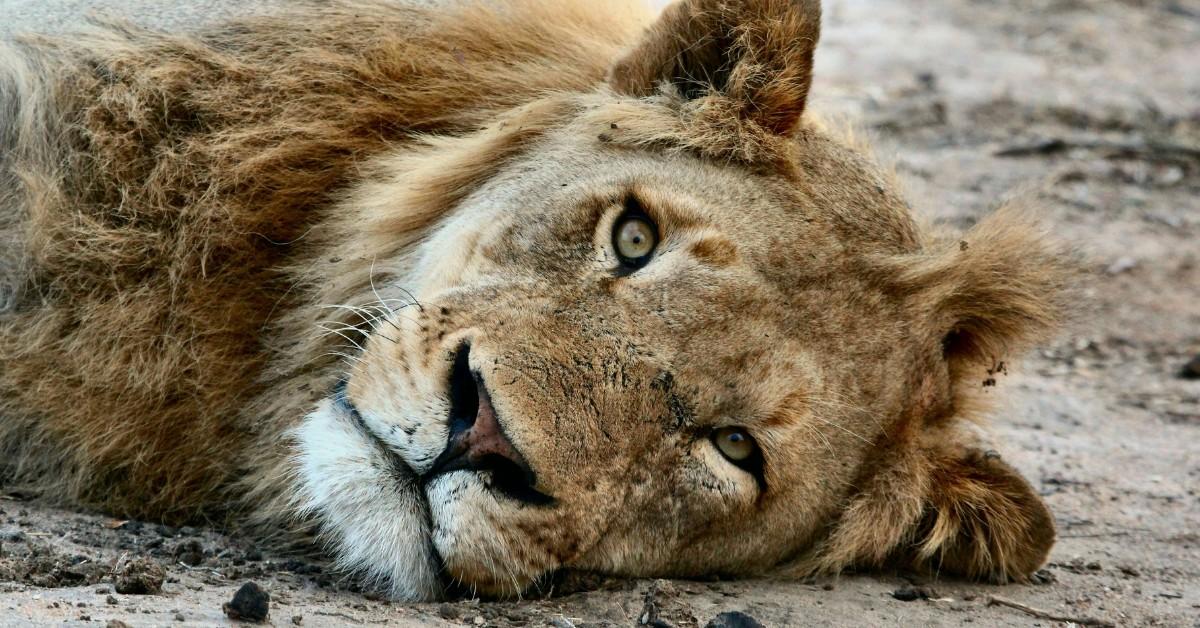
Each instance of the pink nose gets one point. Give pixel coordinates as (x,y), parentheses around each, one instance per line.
(484,441)
(477,441)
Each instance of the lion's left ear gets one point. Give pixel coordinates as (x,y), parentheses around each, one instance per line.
(754,56)
(989,295)
(931,497)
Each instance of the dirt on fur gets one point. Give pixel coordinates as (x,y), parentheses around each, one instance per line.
(1092,106)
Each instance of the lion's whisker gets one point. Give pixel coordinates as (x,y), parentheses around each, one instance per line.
(343,335)
(412,296)
(818,434)
(342,355)
(837,398)
(344,327)
(843,428)
(371,280)
(845,405)
(388,314)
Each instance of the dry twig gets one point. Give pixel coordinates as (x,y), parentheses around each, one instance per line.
(1029,610)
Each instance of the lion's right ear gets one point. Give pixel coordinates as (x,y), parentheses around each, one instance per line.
(942,507)
(981,519)
(752,57)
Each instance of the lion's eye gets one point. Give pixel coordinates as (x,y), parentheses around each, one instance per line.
(736,444)
(634,238)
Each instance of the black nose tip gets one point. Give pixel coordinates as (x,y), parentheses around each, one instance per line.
(477,440)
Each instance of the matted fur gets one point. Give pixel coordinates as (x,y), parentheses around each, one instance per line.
(194,226)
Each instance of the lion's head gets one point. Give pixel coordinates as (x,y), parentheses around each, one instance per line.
(668,327)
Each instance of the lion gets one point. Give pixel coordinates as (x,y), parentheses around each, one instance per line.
(474,294)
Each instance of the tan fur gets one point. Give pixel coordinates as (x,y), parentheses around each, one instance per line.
(203,235)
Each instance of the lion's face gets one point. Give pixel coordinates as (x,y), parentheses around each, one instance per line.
(640,362)
(666,414)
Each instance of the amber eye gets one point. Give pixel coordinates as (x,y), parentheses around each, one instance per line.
(634,237)
(736,444)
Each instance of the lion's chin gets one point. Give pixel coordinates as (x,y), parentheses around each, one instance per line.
(480,538)
(372,509)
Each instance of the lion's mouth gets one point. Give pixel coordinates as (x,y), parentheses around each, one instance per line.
(477,452)
(403,473)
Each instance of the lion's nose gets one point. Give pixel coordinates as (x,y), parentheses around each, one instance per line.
(477,441)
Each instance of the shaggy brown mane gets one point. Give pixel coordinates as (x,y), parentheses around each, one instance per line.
(197,162)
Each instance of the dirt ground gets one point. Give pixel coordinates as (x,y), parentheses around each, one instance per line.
(1091,105)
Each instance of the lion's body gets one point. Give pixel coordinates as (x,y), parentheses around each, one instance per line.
(178,214)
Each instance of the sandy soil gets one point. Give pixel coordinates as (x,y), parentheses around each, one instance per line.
(1092,105)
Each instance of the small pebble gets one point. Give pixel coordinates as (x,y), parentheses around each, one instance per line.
(140,576)
(250,603)
(133,527)
(909,593)
(190,553)
(297,619)
(1191,370)
(1043,576)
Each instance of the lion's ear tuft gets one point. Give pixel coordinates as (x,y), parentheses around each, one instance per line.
(982,520)
(756,55)
(989,295)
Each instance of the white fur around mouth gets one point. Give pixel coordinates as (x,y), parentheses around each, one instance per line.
(376,518)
